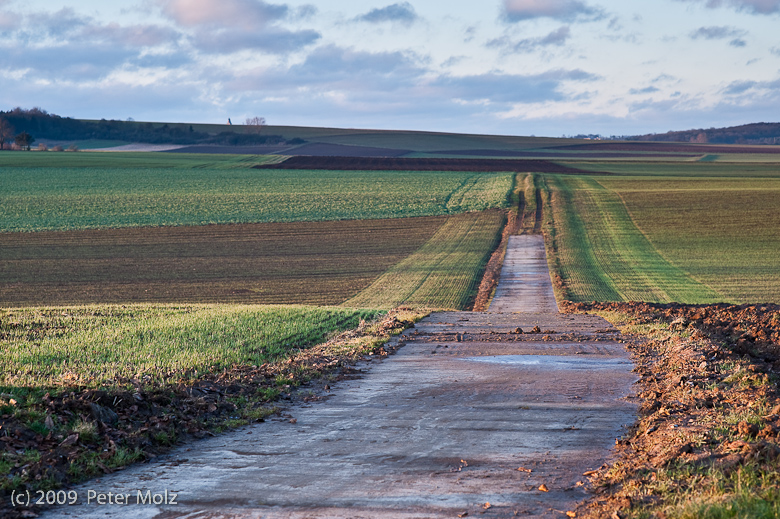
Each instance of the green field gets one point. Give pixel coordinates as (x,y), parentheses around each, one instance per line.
(721,231)
(121,229)
(666,233)
(93,197)
(94,346)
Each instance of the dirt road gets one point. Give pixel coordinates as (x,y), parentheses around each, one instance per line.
(472,414)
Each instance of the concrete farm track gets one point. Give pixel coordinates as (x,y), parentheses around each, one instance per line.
(473,414)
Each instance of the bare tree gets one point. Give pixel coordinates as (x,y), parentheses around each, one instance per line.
(255,124)
(6,132)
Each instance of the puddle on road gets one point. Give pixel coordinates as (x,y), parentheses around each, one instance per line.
(555,361)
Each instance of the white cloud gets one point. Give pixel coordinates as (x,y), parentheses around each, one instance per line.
(273,39)
(517,10)
(333,68)
(510,88)
(38,26)
(132,36)
(402,12)
(9,20)
(227,26)
(751,6)
(245,14)
(557,38)
(66,62)
(717,33)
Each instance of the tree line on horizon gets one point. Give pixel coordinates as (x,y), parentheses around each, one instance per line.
(755,133)
(43,125)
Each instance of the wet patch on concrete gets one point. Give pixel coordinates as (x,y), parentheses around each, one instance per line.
(554,361)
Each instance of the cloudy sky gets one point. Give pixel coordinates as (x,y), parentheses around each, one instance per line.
(523,67)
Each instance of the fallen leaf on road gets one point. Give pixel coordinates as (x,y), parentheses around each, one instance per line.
(465,463)
(522,469)
(464,514)
(293,420)
(487,505)
(590,472)
(543,488)
(70,440)
(571,514)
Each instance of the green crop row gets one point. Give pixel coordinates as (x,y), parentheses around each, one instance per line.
(96,345)
(748,166)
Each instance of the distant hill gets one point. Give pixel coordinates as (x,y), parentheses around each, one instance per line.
(43,125)
(756,133)
(292,140)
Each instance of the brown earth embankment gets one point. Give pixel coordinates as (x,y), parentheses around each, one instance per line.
(709,416)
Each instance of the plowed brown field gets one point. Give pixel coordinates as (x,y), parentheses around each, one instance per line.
(421,164)
(303,262)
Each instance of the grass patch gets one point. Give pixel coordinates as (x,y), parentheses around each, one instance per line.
(664,238)
(721,231)
(95,424)
(748,167)
(445,272)
(96,345)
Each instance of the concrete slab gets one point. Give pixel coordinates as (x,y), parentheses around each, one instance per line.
(436,430)
(524,284)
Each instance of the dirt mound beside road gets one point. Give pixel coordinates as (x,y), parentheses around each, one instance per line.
(709,412)
(752,330)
